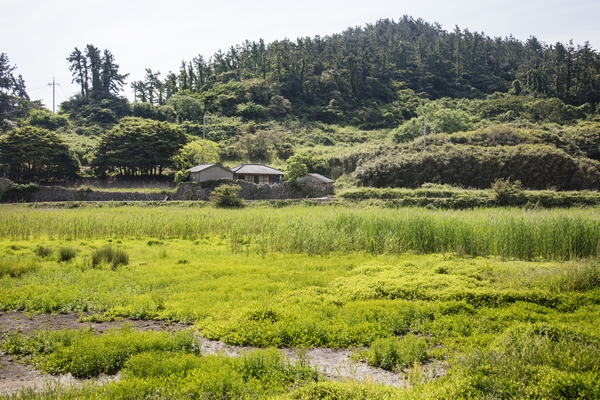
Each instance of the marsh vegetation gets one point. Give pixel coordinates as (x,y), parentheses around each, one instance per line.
(506,300)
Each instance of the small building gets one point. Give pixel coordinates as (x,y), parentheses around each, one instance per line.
(317,181)
(208,172)
(259,174)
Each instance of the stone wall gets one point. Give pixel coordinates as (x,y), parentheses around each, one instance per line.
(185,191)
(251,191)
(4,184)
(57,193)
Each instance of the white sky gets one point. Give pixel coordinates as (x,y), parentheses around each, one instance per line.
(38,35)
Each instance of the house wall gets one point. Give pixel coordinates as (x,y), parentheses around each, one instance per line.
(258,179)
(213,173)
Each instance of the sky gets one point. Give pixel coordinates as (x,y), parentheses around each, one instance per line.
(38,35)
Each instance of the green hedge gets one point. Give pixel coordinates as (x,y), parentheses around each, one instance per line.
(536,166)
(455,198)
(17,193)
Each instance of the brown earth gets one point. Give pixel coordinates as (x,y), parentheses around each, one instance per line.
(333,364)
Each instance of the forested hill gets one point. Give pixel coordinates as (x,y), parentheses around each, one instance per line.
(355,76)
(351,105)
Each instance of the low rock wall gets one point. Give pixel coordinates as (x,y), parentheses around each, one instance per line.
(185,191)
(251,191)
(57,193)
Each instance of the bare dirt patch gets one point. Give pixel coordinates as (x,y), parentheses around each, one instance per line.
(333,364)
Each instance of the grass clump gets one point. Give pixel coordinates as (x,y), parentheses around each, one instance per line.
(393,354)
(114,257)
(43,251)
(66,254)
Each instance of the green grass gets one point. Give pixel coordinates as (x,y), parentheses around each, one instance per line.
(403,287)
(506,233)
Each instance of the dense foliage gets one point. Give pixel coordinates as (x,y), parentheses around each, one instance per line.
(14,100)
(32,153)
(394,103)
(138,146)
(356,76)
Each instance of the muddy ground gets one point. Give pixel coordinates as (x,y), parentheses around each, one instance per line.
(334,364)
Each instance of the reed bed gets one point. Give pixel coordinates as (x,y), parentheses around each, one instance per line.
(506,233)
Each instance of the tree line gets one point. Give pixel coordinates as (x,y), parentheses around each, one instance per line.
(361,69)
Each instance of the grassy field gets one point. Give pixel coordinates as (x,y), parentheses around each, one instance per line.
(508,300)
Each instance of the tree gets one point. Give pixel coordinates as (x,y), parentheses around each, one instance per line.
(440,119)
(138,146)
(79,69)
(295,167)
(14,101)
(98,67)
(33,154)
(199,151)
(47,120)
(187,108)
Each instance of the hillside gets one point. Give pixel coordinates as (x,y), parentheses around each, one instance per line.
(350,105)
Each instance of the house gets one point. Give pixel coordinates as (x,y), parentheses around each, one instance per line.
(208,172)
(257,173)
(317,181)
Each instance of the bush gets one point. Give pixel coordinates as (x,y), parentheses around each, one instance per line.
(536,166)
(226,196)
(17,193)
(507,193)
(66,254)
(43,251)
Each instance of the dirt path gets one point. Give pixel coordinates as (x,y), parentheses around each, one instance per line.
(334,364)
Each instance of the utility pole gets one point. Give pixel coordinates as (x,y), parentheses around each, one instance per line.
(204,128)
(53,84)
(424,133)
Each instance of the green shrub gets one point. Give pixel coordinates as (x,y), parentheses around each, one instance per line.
(17,193)
(536,166)
(43,251)
(226,196)
(508,193)
(66,254)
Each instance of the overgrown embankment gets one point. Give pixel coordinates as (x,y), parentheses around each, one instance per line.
(503,193)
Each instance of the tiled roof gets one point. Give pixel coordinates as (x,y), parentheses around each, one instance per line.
(321,178)
(255,169)
(202,167)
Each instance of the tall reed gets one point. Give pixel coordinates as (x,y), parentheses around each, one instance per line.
(507,233)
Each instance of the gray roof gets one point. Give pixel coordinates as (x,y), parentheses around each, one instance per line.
(202,167)
(255,169)
(321,178)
